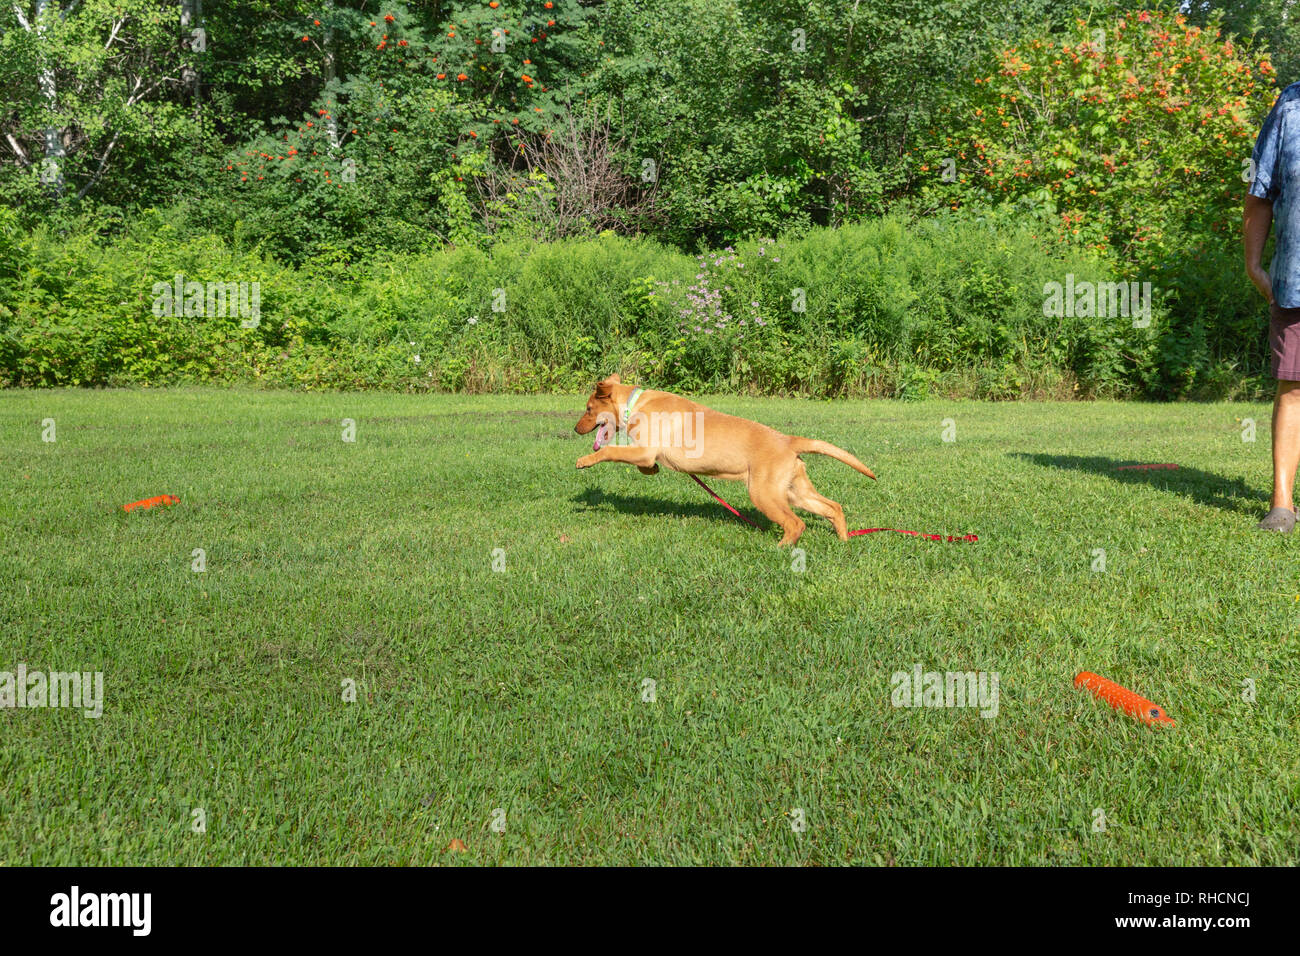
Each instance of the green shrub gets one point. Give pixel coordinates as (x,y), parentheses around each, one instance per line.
(1132,127)
(952,305)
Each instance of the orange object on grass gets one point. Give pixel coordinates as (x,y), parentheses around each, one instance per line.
(150,502)
(1121,698)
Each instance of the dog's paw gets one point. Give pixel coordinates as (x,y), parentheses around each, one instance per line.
(586,461)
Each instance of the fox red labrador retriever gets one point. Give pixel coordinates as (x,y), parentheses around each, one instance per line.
(662,428)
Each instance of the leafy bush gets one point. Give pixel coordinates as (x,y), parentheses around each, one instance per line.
(1132,128)
(886,308)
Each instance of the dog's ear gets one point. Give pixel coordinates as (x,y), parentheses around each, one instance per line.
(614,379)
(603,389)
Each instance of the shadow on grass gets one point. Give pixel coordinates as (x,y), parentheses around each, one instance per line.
(595,498)
(1203,487)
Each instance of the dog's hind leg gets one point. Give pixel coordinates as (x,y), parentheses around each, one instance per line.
(804,495)
(769,497)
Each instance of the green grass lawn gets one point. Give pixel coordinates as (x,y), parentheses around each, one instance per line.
(522,689)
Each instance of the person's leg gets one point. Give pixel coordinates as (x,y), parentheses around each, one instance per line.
(1284,342)
(1286,456)
(1286,442)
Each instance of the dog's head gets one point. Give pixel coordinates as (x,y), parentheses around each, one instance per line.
(602,412)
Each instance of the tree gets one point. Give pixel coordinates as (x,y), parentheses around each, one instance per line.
(81,83)
(762,115)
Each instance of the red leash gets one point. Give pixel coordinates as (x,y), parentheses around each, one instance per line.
(723,503)
(928,537)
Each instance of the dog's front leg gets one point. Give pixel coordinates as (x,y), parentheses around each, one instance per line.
(628,454)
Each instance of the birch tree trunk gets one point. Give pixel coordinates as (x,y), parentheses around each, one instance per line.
(331,103)
(51,173)
(191,14)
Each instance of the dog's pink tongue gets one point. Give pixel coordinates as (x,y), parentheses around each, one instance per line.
(602,436)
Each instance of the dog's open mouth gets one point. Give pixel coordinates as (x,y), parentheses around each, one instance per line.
(603,431)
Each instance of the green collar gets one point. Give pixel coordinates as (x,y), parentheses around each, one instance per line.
(627,409)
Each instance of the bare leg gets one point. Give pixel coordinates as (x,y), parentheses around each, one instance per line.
(1286,442)
(1286,456)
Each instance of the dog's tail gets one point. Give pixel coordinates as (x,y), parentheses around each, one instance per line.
(802,445)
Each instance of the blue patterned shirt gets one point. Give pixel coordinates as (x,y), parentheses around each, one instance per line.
(1277,179)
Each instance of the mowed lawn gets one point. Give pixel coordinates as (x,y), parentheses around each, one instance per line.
(771,738)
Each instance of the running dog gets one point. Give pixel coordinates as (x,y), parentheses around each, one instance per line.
(666,429)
